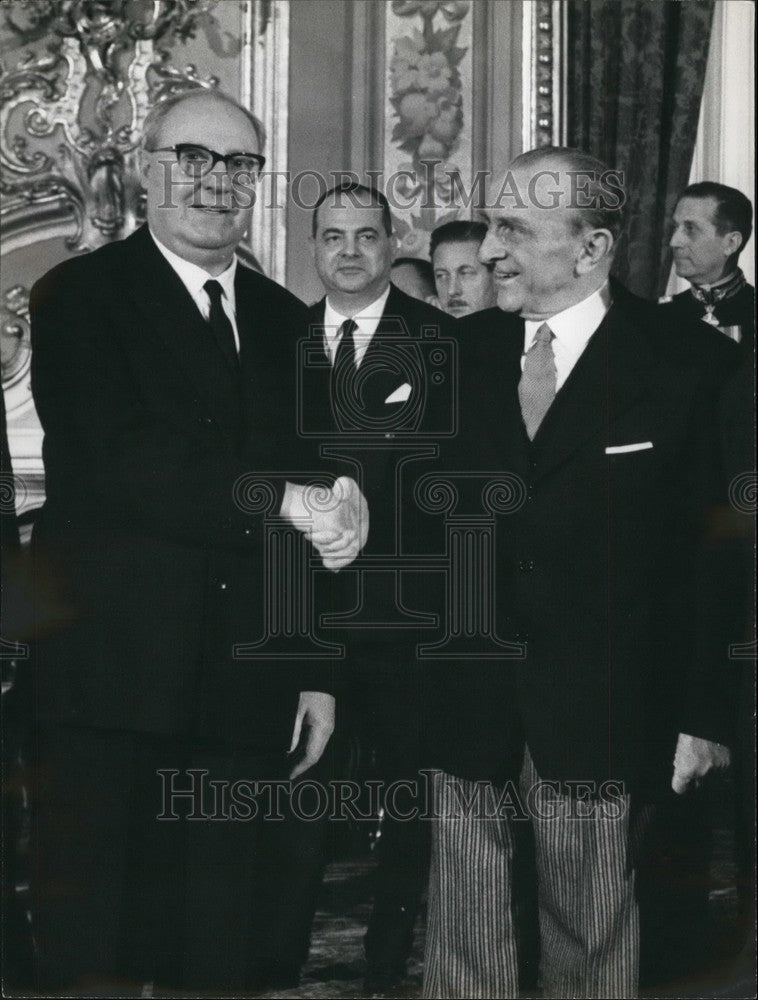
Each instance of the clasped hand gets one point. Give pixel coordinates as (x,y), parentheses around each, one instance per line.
(335,520)
(694,758)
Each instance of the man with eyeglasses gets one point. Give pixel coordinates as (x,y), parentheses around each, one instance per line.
(164,378)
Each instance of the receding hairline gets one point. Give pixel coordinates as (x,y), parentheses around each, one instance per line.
(160,113)
(366,201)
(469,241)
(367,198)
(564,158)
(529,168)
(702,199)
(566,161)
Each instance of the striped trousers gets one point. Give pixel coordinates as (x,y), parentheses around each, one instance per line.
(588,913)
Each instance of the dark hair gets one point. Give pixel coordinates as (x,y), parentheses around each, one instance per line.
(424,271)
(352,188)
(423,267)
(605,208)
(458,231)
(733,213)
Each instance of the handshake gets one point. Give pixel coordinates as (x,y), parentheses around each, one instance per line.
(335,520)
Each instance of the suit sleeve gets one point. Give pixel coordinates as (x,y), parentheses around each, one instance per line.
(112,456)
(708,702)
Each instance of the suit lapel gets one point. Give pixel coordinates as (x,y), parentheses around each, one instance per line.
(500,364)
(169,311)
(314,374)
(606,380)
(378,375)
(316,330)
(384,366)
(252,343)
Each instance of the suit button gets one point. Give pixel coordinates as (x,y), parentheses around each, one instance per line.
(525,565)
(248,531)
(222,586)
(522,637)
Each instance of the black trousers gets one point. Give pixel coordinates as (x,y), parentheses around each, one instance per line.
(158,861)
(384,702)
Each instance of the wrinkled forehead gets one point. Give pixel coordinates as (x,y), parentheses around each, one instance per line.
(209,122)
(457,252)
(700,210)
(541,185)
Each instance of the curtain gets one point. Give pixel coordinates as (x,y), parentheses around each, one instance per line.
(635,82)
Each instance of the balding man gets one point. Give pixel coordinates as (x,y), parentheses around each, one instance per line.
(163,374)
(605,427)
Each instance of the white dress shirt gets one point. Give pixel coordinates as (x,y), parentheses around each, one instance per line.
(572,330)
(367,320)
(194,278)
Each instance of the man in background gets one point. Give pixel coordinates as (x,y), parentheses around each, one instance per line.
(712,224)
(374,393)
(413,275)
(464,284)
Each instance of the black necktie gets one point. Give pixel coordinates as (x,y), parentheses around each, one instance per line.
(220,324)
(345,355)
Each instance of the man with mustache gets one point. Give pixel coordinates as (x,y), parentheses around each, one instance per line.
(464,283)
(163,373)
(610,701)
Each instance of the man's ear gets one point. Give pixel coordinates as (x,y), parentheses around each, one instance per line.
(731,242)
(144,167)
(597,245)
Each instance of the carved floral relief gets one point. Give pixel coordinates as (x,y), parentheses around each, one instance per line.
(428,115)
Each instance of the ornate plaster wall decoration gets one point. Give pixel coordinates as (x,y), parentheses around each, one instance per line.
(88,95)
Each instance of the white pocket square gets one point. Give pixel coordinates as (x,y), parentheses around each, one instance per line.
(622,449)
(400,394)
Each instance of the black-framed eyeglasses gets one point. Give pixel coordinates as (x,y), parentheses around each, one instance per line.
(196,161)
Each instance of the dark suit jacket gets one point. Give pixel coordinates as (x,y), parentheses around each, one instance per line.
(736,311)
(414,345)
(147,430)
(597,570)
(738,399)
